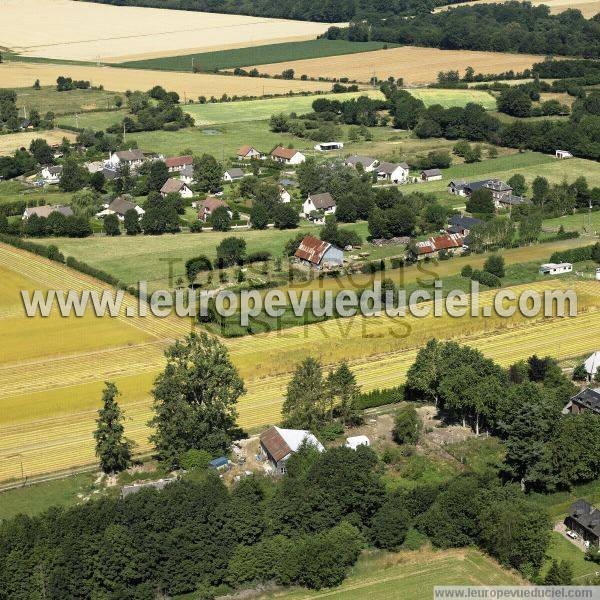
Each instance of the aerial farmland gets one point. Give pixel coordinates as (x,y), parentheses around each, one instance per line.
(298,300)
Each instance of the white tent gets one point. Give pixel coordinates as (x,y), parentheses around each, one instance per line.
(592,364)
(356,441)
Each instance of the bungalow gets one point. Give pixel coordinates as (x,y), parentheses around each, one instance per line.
(431,175)
(368,163)
(592,365)
(587,400)
(51,174)
(176,186)
(457,187)
(208,206)
(319,202)
(393,172)
(248,153)
(278,444)
(317,254)
(555,268)
(233,174)
(462,225)
(284,195)
(328,146)
(46,210)
(287,156)
(120,206)
(452,243)
(562,154)
(176,163)
(134,158)
(584,519)
(187,174)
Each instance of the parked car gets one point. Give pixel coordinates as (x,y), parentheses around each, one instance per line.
(572,535)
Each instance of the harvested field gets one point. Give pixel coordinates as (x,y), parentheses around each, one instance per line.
(47,407)
(97,32)
(190,85)
(415,65)
(13,141)
(588,8)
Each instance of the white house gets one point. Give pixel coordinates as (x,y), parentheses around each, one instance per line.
(368,162)
(284,195)
(278,444)
(233,174)
(207,206)
(356,441)
(134,158)
(287,156)
(176,163)
(120,206)
(563,154)
(555,268)
(592,365)
(248,153)
(319,202)
(328,146)
(393,172)
(176,186)
(51,174)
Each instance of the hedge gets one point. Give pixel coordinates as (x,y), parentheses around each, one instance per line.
(578,254)
(486,278)
(380,397)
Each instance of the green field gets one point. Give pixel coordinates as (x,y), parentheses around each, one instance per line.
(97,120)
(255,55)
(562,549)
(450,98)
(577,222)
(61,103)
(15,190)
(406,576)
(258,110)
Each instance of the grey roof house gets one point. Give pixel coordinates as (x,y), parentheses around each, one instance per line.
(584,519)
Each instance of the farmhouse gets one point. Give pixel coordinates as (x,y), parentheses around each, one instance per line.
(393,172)
(498,188)
(176,186)
(431,175)
(51,174)
(284,195)
(457,187)
(176,163)
(462,225)
(592,365)
(46,210)
(233,174)
(287,156)
(120,206)
(453,243)
(555,268)
(316,253)
(208,206)
(328,146)
(584,519)
(507,202)
(587,400)
(319,202)
(368,162)
(248,152)
(134,158)
(563,154)
(277,445)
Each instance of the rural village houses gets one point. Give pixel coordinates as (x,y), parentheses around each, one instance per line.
(320,203)
(278,444)
(176,186)
(120,206)
(392,172)
(207,206)
(248,153)
(368,162)
(287,156)
(177,163)
(317,254)
(46,210)
(453,243)
(233,174)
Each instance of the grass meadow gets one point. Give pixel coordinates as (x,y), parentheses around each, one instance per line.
(93,120)
(252,55)
(61,103)
(578,222)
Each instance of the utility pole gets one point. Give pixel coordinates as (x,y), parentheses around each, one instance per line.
(77,120)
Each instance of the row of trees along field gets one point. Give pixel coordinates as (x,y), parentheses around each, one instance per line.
(502,27)
(309,526)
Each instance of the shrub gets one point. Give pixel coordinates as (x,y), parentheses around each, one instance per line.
(260,256)
(467,271)
(495,265)
(195,459)
(380,397)
(485,278)
(407,425)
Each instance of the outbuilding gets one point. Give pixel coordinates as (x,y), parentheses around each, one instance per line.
(317,253)
(329,146)
(278,444)
(563,154)
(431,175)
(555,268)
(219,464)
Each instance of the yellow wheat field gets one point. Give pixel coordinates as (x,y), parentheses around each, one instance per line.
(187,85)
(49,393)
(588,8)
(98,32)
(13,141)
(415,65)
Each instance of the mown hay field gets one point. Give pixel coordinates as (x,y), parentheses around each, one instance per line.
(408,576)
(588,8)
(13,141)
(415,65)
(187,85)
(48,405)
(62,29)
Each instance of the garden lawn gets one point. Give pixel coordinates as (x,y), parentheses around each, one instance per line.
(93,120)
(241,57)
(562,549)
(577,222)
